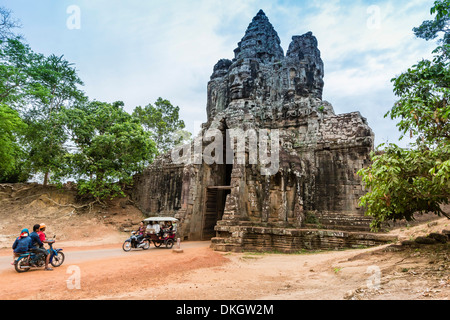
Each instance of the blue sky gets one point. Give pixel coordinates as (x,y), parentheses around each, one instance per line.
(139,50)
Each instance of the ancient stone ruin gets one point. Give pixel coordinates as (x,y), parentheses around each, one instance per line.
(274,168)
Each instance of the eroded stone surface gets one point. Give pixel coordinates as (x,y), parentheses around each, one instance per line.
(263,92)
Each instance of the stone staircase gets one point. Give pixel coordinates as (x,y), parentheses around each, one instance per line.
(249,238)
(327,231)
(339,221)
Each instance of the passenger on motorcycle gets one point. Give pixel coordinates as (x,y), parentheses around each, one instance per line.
(38,246)
(153,227)
(167,229)
(22,244)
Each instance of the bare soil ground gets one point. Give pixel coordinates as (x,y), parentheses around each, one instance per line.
(24,205)
(382,273)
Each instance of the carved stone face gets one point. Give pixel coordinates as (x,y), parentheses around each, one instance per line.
(241,79)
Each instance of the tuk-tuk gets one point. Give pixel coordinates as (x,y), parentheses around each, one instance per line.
(161,230)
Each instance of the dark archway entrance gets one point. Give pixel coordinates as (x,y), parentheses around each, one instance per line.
(216,194)
(214,208)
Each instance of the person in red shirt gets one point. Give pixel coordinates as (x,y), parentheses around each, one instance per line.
(41,233)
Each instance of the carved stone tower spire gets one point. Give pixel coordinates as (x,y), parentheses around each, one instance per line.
(260,41)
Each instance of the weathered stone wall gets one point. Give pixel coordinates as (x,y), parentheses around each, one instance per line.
(315,184)
(159,188)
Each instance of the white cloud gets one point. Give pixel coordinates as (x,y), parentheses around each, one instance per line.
(360,61)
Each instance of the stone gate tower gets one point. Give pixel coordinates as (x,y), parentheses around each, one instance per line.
(309,187)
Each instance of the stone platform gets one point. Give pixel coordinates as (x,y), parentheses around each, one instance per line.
(250,238)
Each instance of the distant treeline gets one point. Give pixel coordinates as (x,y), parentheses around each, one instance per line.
(49,127)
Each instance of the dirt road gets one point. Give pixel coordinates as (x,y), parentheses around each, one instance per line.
(105,272)
(97,268)
(76,255)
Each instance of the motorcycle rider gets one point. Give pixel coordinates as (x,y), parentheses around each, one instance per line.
(41,233)
(38,246)
(141,233)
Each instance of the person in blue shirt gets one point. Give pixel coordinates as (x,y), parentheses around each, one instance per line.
(38,246)
(22,244)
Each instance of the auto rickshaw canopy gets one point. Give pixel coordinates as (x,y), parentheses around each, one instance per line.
(161,219)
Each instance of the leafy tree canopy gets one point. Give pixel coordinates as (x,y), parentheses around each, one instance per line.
(11,129)
(111,146)
(48,125)
(7,24)
(407,181)
(54,86)
(163,122)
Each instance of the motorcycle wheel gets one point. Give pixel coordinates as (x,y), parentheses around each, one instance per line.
(169,243)
(23,265)
(146,244)
(58,259)
(126,246)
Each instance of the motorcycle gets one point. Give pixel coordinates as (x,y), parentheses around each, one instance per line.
(31,260)
(134,243)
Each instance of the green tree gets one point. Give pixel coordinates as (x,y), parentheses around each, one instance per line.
(110,147)
(403,182)
(53,87)
(16,60)
(163,122)
(11,154)
(7,24)
(38,87)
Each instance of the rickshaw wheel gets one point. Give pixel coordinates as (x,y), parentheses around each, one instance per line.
(169,243)
(157,244)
